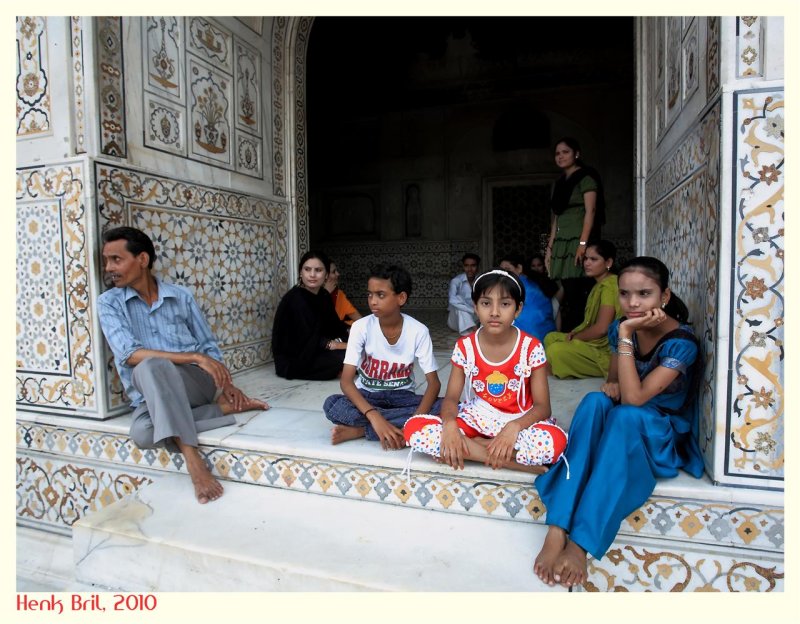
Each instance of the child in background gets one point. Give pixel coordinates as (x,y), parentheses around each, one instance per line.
(536,316)
(344,309)
(505,419)
(377,379)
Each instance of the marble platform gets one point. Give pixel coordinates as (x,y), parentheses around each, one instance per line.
(276,540)
(281,460)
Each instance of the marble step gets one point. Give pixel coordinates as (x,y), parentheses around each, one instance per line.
(269,539)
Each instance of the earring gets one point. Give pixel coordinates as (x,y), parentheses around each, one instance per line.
(663,304)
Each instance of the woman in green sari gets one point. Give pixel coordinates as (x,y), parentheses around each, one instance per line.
(584,352)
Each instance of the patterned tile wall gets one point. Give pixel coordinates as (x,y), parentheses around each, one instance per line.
(755,431)
(748,527)
(55,355)
(228,249)
(202,93)
(33,76)
(682,216)
(432,265)
(110,71)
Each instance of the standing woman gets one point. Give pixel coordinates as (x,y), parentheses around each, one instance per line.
(584,352)
(578,211)
(639,428)
(308,338)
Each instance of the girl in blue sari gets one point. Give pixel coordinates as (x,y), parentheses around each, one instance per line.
(637,429)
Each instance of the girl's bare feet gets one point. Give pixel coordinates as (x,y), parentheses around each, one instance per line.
(343,433)
(477,452)
(554,543)
(570,566)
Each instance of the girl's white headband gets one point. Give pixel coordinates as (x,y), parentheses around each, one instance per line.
(514,279)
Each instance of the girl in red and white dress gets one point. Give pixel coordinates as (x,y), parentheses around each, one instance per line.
(504,420)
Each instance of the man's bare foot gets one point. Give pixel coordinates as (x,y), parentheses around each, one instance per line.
(569,568)
(206,487)
(554,543)
(249,404)
(343,433)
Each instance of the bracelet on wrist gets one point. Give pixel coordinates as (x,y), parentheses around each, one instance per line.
(582,243)
(371,409)
(626,341)
(626,353)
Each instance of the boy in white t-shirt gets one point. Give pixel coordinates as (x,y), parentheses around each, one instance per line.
(378,375)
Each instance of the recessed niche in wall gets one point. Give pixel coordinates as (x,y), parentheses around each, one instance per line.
(351,213)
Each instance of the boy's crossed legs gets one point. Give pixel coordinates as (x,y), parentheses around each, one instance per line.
(396,407)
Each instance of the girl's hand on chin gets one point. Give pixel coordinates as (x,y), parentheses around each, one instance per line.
(648,320)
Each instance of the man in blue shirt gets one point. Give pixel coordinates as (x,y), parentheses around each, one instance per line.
(167,358)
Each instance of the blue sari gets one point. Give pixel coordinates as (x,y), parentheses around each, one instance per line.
(616,452)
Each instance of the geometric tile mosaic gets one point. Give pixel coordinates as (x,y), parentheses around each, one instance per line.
(716,524)
(432,264)
(756,403)
(55,356)
(227,248)
(681,219)
(33,95)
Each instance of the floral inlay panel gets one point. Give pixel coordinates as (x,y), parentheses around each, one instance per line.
(301,190)
(33,95)
(112,92)
(55,355)
(210,113)
(278,108)
(78,84)
(652,568)
(202,93)
(53,492)
(756,403)
(163,55)
(749,62)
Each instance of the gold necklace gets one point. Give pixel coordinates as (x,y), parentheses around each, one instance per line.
(395,336)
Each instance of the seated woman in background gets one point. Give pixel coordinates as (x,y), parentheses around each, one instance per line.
(345,310)
(639,428)
(550,287)
(536,316)
(584,352)
(308,339)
